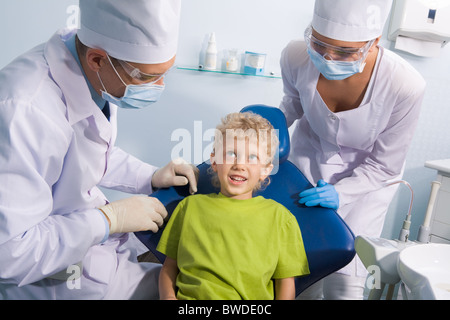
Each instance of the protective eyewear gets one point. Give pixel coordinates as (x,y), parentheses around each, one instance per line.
(137,74)
(335,53)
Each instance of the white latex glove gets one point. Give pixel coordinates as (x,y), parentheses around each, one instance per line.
(176,173)
(139,213)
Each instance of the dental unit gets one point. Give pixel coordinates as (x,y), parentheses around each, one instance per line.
(419,265)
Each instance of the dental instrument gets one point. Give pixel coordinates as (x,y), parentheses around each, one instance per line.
(404,232)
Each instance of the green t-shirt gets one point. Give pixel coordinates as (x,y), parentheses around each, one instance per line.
(230,249)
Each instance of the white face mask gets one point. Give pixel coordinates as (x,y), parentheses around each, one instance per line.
(336,70)
(136,96)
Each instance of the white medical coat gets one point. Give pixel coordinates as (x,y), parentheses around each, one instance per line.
(56,148)
(358,150)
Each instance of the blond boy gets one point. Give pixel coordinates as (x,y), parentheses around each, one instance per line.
(232,245)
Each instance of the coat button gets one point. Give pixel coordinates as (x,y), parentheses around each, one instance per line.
(332,116)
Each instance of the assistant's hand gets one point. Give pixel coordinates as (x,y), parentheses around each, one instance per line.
(324,195)
(139,213)
(176,173)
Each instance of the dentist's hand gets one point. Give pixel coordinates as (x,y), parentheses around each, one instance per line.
(139,213)
(324,195)
(176,173)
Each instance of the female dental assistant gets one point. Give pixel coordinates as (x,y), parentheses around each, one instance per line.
(357,105)
(59,236)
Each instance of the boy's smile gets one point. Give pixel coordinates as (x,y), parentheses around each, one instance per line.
(237,179)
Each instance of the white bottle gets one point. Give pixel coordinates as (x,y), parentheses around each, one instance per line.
(211,54)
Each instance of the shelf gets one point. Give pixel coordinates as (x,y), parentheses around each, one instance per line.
(440,165)
(228,72)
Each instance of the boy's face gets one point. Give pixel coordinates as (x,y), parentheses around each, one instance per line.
(240,166)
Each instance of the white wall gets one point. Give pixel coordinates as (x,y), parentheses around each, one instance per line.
(259,25)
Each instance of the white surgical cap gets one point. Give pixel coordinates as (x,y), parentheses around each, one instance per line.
(140,31)
(351,20)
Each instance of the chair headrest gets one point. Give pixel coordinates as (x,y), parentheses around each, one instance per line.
(278,121)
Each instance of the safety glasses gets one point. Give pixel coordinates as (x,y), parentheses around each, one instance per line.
(335,53)
(137,74)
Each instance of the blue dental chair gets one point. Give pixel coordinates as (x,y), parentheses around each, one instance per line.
(328,241)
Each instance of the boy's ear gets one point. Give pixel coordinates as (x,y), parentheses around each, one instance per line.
(212,159)
(265,171)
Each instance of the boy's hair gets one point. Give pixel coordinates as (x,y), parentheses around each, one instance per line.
(247,125)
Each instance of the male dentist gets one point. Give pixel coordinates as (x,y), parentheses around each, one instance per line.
(59,236)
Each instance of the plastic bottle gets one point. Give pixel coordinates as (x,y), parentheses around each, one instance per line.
(211,53)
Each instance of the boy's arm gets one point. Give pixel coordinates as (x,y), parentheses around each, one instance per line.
(167,279)
(285,289)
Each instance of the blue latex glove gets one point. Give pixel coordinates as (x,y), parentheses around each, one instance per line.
(324,195)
